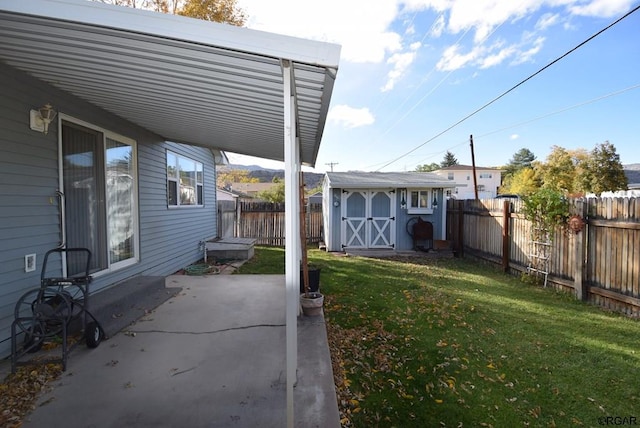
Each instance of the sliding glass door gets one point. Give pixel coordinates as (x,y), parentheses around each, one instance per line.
(99,186)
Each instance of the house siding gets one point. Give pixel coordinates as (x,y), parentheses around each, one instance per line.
(29,216)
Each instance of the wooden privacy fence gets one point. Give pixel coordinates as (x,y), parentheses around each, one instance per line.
(600,264)
(264,222)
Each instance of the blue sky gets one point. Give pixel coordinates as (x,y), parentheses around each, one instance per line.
(411,69)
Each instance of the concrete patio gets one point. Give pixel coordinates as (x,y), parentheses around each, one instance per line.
(212,356)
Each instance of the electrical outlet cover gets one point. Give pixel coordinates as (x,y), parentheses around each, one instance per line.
(30,263)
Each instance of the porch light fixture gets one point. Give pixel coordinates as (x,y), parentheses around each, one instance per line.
(434,204)
(403,198)
(40,119)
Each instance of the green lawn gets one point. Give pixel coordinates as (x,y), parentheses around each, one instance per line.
(457,343)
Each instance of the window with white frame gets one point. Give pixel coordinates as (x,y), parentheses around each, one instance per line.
(485,175)
(420,201)
(185,180)
(450,176)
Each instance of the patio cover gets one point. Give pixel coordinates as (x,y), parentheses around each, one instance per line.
(189,81)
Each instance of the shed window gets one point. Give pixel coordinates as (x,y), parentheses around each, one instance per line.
(420,202)
(184,181)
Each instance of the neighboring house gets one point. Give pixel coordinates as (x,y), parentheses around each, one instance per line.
(145,104)
(316,198)
(488,179)
(367,210)
(225,195)
(250,190)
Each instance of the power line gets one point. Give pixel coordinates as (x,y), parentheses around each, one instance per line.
(513,88)
(543,116)
(331,164)
(444,79)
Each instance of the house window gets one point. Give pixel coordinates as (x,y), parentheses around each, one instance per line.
(468,177)
(485,175)
(184,181)
(481,188)
(450,175)
(420,202)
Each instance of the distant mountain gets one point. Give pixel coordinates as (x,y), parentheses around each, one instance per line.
(247,167)
(266,175)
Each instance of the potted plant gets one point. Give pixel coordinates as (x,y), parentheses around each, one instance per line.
(311,300)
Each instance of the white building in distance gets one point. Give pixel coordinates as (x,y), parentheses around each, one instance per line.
(488,179)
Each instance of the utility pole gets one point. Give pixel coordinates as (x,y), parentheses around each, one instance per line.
(473,167)
(331,164)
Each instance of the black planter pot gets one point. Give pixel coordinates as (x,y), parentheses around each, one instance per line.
(314,280)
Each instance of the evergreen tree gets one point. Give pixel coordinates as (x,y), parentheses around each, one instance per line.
(521,159)
(449,160)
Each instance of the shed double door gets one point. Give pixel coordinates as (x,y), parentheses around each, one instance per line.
(368,218)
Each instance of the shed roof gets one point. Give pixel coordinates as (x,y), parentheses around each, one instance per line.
(370,180)
(188,80)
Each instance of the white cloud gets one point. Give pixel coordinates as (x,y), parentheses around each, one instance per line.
(496,58)
(350,117)
(514,137)
(547,20)
(376,31)
(401,63)
(452,59)
(527,55)
(602,8)
(361,27)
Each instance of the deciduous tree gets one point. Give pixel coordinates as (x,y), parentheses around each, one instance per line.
(225,177)
(558,172)
(215,10)
(523,182)
(275,194)
(226,11)
(604,171)
(427,167)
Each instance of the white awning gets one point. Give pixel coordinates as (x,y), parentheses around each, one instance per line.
(190,81)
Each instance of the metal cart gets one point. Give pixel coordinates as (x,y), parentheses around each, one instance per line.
(53,309)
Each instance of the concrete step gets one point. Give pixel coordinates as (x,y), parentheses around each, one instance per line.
(230,248)
(124,303)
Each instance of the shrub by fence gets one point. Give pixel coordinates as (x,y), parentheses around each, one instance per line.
(600,264)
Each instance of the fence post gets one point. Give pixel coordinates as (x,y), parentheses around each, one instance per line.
(579,251)
(460,228)
(238,219)
(506,244)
